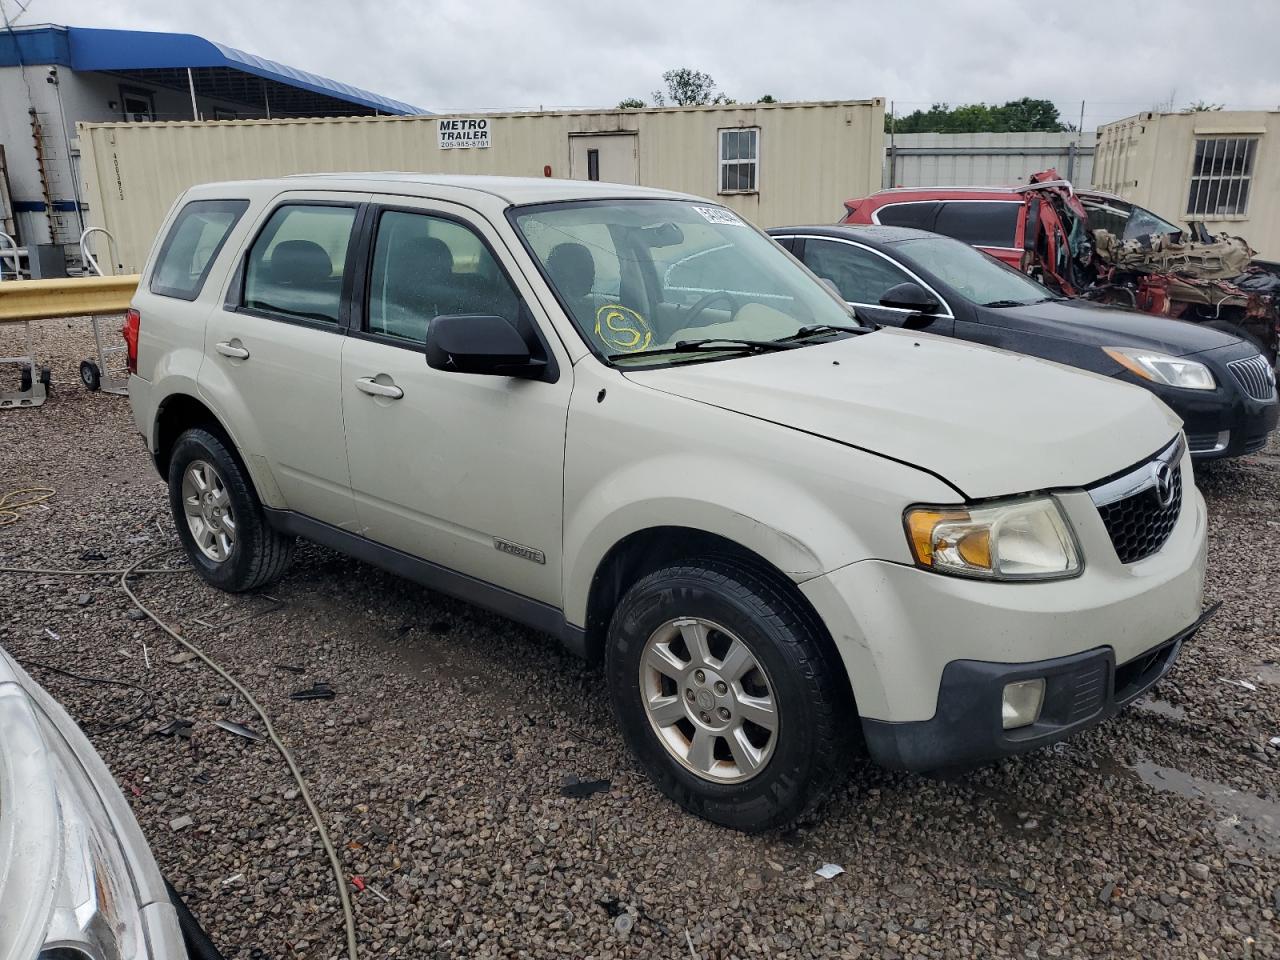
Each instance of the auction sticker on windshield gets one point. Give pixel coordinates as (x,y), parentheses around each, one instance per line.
(719,215)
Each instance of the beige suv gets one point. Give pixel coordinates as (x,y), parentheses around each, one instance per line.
(630,419)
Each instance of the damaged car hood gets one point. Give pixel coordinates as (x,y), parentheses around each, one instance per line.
(991,423)
(1223,258)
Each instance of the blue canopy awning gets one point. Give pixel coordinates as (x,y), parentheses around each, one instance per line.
(160,56)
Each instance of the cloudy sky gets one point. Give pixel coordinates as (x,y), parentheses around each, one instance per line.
(1119,57)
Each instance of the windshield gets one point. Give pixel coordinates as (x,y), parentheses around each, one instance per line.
(1125,220)
(976,276)
(640,276)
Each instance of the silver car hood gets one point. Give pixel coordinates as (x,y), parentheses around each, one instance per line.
(989,422)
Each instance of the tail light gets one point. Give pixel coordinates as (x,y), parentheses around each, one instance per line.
(132,324)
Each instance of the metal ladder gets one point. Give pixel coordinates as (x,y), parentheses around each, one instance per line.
(99,375)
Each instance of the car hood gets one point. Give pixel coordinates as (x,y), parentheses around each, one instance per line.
(990,423)
(1103,326)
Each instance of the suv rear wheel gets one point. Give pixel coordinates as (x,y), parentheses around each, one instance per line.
(727,691)
(219,518)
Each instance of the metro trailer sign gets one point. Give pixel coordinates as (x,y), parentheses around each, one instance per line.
(460,132)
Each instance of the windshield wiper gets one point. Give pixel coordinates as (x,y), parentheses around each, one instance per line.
(1008,303)
(711,343)
(811,329)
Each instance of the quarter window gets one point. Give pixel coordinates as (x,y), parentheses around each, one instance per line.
(739,160)
(296,265)
(425,267)
(918,215)
(1221,173)
(981,224)
(860,275)
(192,244)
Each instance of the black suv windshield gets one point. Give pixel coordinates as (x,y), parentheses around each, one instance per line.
(979,278)
(640,276)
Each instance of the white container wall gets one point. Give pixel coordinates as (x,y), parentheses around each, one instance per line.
(799,166)
(1221,167)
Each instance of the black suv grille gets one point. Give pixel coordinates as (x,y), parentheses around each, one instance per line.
(1139,523)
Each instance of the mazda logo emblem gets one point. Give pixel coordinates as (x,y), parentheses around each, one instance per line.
(1165,480)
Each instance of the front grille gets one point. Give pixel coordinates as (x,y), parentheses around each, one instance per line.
(1137,517)
(1255,376)
(1139,525)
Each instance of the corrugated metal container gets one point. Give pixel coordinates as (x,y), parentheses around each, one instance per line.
(1221,167)
(809,157)
(984,159)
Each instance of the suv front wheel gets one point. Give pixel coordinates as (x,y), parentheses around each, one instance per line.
(728,692)
(219,518)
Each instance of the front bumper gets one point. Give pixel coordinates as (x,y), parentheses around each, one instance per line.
(1223,422)
(1081,690)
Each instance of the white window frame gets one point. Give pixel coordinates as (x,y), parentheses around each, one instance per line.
(1201,187)
(722,163)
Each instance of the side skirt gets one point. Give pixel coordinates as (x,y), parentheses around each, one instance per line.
(532,613)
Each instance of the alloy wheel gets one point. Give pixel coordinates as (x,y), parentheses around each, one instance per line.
(708,700)
(207,505)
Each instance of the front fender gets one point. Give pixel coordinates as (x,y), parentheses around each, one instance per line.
(805,504)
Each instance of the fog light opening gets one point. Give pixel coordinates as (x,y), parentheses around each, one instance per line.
(1021,703)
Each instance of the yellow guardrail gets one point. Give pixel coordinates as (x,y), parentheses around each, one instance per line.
(69,297)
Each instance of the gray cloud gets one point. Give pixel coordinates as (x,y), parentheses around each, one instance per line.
(468,54)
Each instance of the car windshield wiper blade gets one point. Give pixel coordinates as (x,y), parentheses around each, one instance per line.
(711,343)
(1007,303)
(811,329)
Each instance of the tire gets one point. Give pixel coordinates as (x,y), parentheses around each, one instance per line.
(25,381)
(800,760)
(90,375)
(250,556)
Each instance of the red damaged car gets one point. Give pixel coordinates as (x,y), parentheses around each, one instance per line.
(1099,247)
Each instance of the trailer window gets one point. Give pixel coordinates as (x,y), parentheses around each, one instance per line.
(191,246)
(1220,177)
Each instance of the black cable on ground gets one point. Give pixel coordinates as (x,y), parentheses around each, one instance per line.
(146,703)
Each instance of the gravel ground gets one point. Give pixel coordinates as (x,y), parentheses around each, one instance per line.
(440,764)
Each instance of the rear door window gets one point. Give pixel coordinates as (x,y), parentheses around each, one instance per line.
(192,244)
(981,223)
(296,265)
(918,215)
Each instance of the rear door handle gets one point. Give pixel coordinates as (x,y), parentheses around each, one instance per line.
(375,389)
(233,350)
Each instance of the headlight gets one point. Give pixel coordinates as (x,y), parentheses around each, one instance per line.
(1026,539)
(65,884)
(1162,368)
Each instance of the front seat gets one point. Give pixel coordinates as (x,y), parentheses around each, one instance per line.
(573,271)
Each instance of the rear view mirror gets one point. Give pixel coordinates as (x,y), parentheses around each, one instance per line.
(478,343)
(910,296)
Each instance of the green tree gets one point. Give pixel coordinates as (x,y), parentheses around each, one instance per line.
(631,103)
(767,98)
(1201,106)
(1016,116)
(687,87)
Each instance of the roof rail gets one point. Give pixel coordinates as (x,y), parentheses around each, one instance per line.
(1062,184)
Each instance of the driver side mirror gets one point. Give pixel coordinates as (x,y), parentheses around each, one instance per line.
(478,343)
(910,296)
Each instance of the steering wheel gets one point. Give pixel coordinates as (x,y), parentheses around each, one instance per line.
(696,310)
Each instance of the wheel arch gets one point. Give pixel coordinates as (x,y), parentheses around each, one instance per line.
(641,552)
(179,412)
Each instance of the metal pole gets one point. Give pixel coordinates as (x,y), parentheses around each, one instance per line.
(191,85)
(893,156)
(266,99)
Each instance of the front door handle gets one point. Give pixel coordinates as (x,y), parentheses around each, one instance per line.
(375,389)
(232,349)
